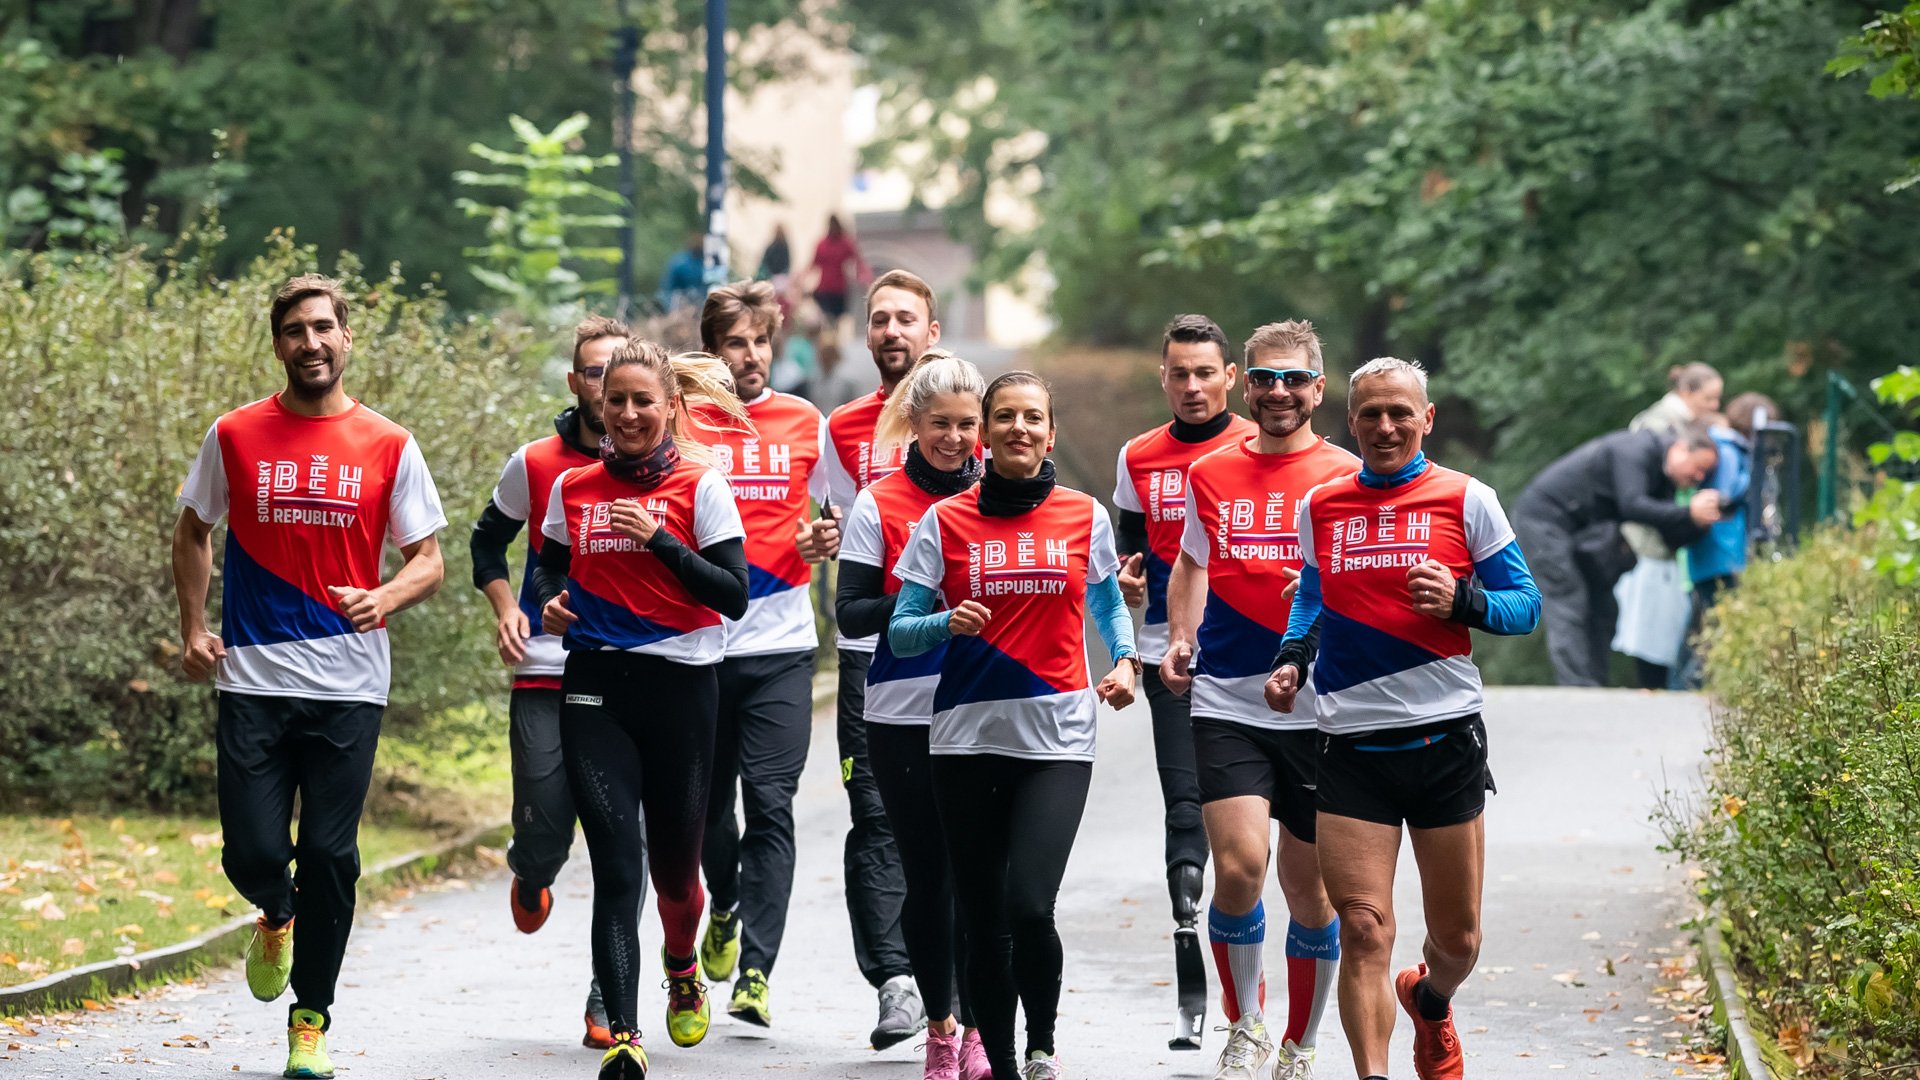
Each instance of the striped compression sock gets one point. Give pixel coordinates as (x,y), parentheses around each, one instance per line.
(1312,955)
(1239,942)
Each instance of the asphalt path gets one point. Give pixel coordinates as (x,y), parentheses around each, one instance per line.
(1583,942)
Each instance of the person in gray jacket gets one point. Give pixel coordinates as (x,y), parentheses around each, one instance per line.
(1568,522)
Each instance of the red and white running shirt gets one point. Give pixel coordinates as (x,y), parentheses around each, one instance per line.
(773,469)
(1240,527)
(309,502)
(625,597)
(1021,688)
(1150,478)
(524,488)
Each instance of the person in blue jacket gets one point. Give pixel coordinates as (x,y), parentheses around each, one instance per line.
(1715,561)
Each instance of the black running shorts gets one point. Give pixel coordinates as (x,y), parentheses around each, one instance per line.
(1241,759)
(1429,776)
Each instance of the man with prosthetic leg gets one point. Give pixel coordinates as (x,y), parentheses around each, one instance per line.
(1227,603)
(1399,564)
(1150,491)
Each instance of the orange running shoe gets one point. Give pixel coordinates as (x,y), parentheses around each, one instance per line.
(528,919)
(1436,1047)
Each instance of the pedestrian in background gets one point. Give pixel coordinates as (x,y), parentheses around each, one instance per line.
(829,273)
(1652,597)
(1716,560)
(1569,521)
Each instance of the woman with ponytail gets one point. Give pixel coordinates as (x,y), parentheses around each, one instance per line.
(645,559)
(1018,563)
(935,413)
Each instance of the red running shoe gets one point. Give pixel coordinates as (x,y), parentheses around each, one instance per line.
(1436,1048)
(529,919)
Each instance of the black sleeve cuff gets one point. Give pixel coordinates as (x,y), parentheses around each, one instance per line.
(1469,604)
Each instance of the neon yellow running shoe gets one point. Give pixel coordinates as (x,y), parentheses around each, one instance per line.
(307,1047)
(720,945)
(750,999)
(269,959)
(687,1010)
(626,1060)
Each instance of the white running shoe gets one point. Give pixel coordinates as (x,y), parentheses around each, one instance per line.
(1247,1050)
(1039,1066)
(1295,1062)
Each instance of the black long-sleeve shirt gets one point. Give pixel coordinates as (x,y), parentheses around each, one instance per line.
(494,533)
(1618,477)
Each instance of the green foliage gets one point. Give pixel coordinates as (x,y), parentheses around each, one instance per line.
(84,211)
(1892,512)
(1810,830)
(532,250)
(1889,46)
(112,366)
(346,121)
(1047,100)
(1593,192)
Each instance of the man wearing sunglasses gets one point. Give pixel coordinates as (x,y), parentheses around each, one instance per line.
(542,803)
(1227,606)
(1151,494)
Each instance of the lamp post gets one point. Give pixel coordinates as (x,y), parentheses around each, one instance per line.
(626,49)
(716,193)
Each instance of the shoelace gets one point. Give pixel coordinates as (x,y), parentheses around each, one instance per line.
(271,942)
(307,1036)
(1295,1064)
(683,991)
(1242,1049)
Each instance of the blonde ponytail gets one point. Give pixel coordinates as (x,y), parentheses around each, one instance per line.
(936,372)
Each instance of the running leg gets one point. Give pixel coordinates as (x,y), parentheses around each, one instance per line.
(899,757)
(334,744)
(1357,862)
(876,885)
(1048,800)
(604,768)
(975,789)
(775,720)
(542,802)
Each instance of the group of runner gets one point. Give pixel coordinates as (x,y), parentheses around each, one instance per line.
(1307,660)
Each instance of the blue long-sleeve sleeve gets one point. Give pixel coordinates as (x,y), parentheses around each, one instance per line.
(1302,639)
(1503,598)
(1110,618)
(916,627)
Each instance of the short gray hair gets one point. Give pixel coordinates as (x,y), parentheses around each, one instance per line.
(1389,365)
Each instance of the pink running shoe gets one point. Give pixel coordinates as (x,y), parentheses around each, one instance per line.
(973,1057)
(943,1056)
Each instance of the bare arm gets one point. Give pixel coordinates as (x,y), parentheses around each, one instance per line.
(418,578)
(192,574)
(1186,606)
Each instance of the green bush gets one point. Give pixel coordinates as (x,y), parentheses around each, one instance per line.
(111,368)
(1810,833)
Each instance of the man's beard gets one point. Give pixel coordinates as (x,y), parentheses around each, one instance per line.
(314,391)
(1280,425)
(590,418)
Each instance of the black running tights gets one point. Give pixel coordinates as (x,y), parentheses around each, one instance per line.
(898,756)
(1011,824)
(637,733)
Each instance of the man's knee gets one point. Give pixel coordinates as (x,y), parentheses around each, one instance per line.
(1239,873)
(1366,929)
(256,865)
(339,869)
